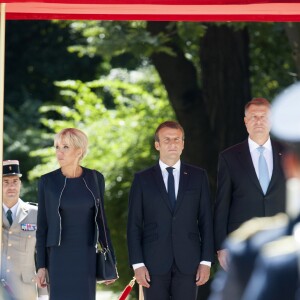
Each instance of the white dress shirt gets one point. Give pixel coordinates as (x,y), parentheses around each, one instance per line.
(268,154)
(43,297)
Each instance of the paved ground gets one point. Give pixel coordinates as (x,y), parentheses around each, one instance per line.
(101,295)
(106,295)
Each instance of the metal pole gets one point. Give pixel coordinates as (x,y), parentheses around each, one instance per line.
(2,59)
(141,293)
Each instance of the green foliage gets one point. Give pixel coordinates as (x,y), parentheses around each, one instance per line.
(272,66)
(190,35)
(21,134)
(108,39)
(130,44)
(271,63)
(120,138)
(36,55)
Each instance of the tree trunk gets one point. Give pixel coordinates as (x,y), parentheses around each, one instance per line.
(225,82)
(211,109)
(293,33)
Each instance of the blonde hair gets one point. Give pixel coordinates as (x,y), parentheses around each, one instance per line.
(74,137)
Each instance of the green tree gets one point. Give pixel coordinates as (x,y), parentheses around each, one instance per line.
(209,70)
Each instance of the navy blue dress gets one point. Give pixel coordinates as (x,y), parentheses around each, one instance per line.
(72,264)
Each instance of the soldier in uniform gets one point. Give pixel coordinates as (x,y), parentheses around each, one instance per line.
(18,239)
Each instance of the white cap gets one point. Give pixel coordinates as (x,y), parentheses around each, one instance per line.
(285,114)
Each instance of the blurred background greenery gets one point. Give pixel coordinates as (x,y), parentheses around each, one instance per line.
(117,81)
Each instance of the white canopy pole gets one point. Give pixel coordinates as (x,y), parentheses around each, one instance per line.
(2,59)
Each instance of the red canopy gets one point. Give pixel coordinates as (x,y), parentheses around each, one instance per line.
(181,10)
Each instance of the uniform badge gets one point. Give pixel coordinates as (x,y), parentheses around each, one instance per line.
(28,227)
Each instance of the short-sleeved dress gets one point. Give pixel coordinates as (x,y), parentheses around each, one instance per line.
(72,264)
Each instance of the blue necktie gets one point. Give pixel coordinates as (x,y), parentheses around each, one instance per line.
(9,217)
(263,170)
(171,187)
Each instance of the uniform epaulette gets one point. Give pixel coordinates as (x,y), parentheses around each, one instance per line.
(32,203)
(283,246)
(255,225)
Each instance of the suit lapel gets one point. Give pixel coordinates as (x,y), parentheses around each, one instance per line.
(22,213)
(4,219)
(276,164)
(183,180)
(161,185)
(246,161)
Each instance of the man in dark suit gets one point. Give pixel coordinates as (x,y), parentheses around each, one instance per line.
(250,178)
(169,231)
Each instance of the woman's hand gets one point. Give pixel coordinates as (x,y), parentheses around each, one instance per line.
(107,282)
(41,278)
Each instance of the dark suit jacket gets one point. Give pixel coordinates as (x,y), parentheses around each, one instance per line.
(50,190)
(156,235)
(239,194)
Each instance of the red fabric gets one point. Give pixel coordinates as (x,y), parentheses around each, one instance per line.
(180,10)
(161,17)
(127,289)
(125,293)
(161,2)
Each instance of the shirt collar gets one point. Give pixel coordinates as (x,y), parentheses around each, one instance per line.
(163,166)
(253,146)
(13,209)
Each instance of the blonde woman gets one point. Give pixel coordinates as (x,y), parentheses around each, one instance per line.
(69,222)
